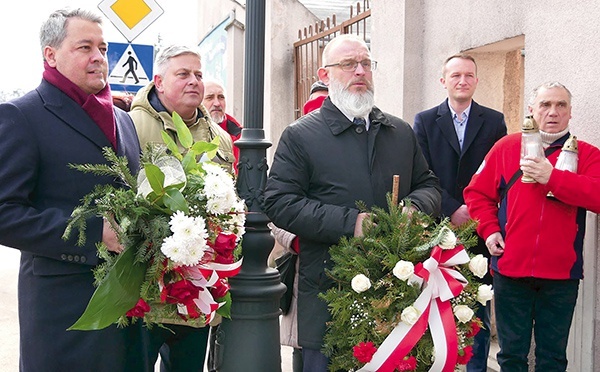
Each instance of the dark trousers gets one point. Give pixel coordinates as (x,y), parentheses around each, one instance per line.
(481,341)
(297,365)
(545,305)
(314,360)
(182,348)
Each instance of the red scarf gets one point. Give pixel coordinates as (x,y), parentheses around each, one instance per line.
(98,106)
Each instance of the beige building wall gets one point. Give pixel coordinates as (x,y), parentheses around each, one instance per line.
(210,15)
(283,20)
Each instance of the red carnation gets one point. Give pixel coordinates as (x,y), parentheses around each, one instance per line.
(220,288)
(407,364)
(183,292)
(465,355)
(139,310)
(224,246)
(475,328)
(364,351)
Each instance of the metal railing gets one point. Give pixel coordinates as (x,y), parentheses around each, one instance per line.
(308,51)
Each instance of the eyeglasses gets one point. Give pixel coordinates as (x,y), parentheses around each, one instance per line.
(351,65)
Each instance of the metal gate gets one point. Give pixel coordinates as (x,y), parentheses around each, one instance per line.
(308,50)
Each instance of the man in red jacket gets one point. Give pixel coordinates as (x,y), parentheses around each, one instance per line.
(318,92)
(215,103)
(536,242)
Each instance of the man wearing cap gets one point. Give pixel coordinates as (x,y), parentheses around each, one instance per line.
(318,93)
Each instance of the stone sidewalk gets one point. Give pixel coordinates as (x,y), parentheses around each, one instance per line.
(9,343)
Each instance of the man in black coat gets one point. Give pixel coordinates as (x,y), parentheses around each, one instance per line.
(67,119)
(326,161)
(455,137)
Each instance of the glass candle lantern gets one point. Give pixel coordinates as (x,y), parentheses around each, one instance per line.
(568,158)
(531,143)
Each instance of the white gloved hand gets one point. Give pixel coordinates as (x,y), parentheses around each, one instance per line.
(283,237)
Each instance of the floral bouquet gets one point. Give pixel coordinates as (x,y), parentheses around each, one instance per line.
(179,222)
(398,291)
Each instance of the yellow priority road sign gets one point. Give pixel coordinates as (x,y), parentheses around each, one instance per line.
(131,17)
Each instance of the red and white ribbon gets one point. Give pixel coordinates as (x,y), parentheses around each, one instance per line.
(213,271)
(441,284)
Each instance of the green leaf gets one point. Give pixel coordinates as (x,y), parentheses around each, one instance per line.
(117,294)
(212,153)
(174,200)
(156,178)
(171,145)
(189,162)
(183,132)
(225,310)
(201,147)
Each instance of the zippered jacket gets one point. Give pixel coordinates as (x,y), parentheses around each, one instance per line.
(543,236)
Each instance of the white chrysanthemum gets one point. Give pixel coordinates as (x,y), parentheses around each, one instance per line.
(195,252)
(188,243)
(188,227)
(184,252)
(172,248)
(240,207)
(178,219)
(236,223)
(217,177)
(185,226)
(219,190)
(201,227)
(221,204)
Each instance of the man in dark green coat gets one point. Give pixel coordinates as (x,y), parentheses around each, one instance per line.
(327,160)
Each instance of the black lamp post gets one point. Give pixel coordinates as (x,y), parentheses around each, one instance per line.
(249,341)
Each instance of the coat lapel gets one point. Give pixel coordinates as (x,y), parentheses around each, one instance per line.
(71,114)
(473,125)
(446,125)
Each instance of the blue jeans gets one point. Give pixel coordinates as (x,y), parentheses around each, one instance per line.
(481,341)
(545,305)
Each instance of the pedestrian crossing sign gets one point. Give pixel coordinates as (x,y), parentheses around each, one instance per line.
(130,66)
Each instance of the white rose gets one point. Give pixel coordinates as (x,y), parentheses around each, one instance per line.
(463,313)
(360,283)
(448,239)
(479,265)
(484,293)
(403,270)
(410,315)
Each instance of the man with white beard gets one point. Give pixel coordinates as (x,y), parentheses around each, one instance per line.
(216,104)
(329,159)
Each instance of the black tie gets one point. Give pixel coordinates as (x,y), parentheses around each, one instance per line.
(361,125)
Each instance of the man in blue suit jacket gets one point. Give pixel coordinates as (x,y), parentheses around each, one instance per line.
(455,137)
(67,119)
